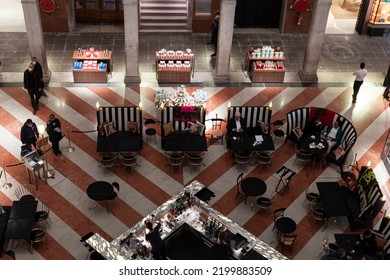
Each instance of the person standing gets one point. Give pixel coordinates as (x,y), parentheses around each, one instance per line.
(212,25)
(31,83)
(53,128)
(29,134)
(157,244)
(360,75)
(214,34)
(38,68)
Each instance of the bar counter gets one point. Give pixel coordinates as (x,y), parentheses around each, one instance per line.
(184,211)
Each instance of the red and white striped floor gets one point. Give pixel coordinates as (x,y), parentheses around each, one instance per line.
(152,183)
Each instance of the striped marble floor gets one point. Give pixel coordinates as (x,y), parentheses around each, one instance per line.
(152,183)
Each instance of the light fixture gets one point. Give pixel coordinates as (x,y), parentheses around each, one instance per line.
(140,105)
(270,105)
(97,106)
(229,105)
(204,105)
(162,106)
(369,163)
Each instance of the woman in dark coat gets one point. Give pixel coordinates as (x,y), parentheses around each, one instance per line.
(55,135)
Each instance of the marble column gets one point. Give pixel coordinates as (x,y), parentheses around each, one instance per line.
(32,18)
(308,71)
(225,39)
(71,12)
(131,19)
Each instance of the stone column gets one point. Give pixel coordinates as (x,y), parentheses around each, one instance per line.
(71,12)
(32,18)
(225,39)
(131,19)
(308,71)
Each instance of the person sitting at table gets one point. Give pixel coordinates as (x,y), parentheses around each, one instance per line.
(236,124)
(367,243)
(333,135)
(314,127)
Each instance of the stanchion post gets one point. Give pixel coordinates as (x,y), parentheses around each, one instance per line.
(6,185)
(69,148)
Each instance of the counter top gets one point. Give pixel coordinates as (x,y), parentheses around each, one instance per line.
(131,243)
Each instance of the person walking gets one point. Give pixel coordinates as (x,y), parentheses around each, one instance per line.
(212,26)
(29,134)
(154,238)
(38,68)
(360,75)
(31,82)
(214,34)
(53,128)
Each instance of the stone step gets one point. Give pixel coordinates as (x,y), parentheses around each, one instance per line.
(173,31)
(162,1)
(163,19)
(164,25)
(163,13)
(165,6)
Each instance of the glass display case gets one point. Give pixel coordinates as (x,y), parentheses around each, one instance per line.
(386,152)
(380,13)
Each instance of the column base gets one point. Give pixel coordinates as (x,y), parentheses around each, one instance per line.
(46,77)
(132,80)
(220,79)
(307,78)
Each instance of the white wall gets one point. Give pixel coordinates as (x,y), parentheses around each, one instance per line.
(11,16)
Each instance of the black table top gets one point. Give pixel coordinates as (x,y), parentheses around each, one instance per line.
(347,241)
(120,141)
(333,199)
(21,221)
(100,191)
(184,141)
(307,141)
(253,186)
(244,142)
(286,225)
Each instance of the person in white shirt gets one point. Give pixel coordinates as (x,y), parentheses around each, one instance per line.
(333,135)
(236,124)
(360,75)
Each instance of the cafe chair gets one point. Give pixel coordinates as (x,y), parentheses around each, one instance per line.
(302,156)
(278,132)
(26,191)
(242,158)
(195,160)
(37,236)
(128,160)
(278,213)
(107,161)
(150,130)
(318,214)
(311,198)
(320,159)
(42,216)
(287,241)
(95,256)
(116,187)
(285,175)
(176,160)
(265,203)
(11,254)
(264,158)
(216,132)
(238,186)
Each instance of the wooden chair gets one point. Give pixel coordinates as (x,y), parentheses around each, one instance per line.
(216,132)
(287,241)
(278,213)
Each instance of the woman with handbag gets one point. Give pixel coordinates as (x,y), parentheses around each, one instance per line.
(55,135)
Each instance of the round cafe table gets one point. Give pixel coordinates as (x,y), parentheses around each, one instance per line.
(285,225)
(100,191)
(308,141)
(252,186)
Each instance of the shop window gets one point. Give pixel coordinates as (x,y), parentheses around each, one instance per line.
(380,13)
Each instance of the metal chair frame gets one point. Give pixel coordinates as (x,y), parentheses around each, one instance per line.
(42,217)
(176,160)
(195,160)
(37,235)
(285,175)
(150,130)
(242,159)
(287,241)
(128,160)
(238,186)
(264,158)
(107,161)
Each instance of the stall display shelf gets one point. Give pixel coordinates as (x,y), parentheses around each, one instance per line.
(379,21)
(272,70)
(93,59)
(176,68)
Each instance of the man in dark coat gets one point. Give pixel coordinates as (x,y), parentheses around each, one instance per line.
(38,68)
(53,128)
(157,244)
(31,82)
(29,134)
(236,124)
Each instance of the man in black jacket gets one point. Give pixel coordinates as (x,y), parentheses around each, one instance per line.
(32,83)
(29,134)
(38,68)
(236,124)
